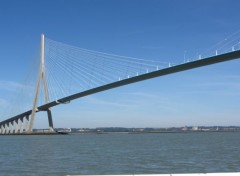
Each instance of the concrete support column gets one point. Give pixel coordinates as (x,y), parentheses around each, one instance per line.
(4,129)
(7,128)
(50,122)
(0,129)
(16,126)
(20,125)
(26,123)
(12,127)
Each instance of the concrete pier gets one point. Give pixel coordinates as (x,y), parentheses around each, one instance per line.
(16,126)
(20,121)
(35,133)
(26,123)
(11,127)
(7,128)
(21,125)
(3,129)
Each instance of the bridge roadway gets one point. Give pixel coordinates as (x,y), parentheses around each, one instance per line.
(169,70)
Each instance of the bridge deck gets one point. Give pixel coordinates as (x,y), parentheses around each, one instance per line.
(158,73)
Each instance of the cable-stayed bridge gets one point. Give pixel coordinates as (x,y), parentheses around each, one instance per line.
(67,72)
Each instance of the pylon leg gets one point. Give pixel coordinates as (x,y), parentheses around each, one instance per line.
(50,122)
(41,77)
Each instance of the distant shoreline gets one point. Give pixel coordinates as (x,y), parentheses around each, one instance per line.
(186,129)
(160,132)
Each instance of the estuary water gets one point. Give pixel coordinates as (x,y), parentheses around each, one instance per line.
(120,153)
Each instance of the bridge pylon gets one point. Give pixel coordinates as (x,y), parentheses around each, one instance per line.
(41,78)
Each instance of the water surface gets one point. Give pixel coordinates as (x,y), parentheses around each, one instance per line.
(120,153)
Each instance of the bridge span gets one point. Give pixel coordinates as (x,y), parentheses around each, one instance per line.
(21,122)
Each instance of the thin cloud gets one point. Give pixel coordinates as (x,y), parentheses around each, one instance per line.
(12,86)
(213,84)
(232,77)
(152,47)
(161,101)
(223,88)
(3,103)
(140,94)
(212,92)
(107,103)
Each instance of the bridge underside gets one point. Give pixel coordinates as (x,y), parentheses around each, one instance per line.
(20,123)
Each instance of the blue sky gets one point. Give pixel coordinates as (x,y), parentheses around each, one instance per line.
(148,29)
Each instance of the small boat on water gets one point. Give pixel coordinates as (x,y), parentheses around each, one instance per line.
(64,131)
